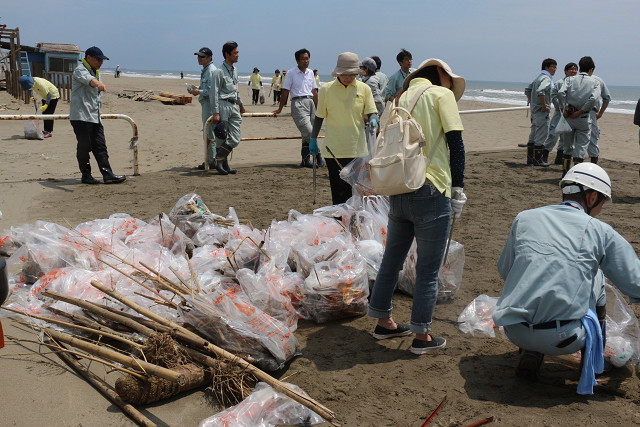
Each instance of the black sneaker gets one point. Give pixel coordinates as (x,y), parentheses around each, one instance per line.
(529,365)
(422,347)
(381,333)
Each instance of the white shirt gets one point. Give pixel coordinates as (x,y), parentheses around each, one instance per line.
(299,83)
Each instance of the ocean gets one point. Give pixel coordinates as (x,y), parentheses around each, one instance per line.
(623,98)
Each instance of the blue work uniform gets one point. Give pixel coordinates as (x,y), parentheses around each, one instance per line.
(226,102)
(604,96)
(206,79)
(539,119)
(580,92)
(395,82)
(552,265)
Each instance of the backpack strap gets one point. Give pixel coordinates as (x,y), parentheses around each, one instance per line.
(417,96)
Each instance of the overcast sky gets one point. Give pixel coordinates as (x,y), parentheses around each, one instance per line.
(496,40)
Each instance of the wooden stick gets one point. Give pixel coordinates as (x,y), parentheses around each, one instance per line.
(130,361)
(104,389)
(194,276)
(104,313)
(170,284)
(82,328)
(321,410)
(139,283)
(273,138)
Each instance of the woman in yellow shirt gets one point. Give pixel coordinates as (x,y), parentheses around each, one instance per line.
(424,214)
(49,94)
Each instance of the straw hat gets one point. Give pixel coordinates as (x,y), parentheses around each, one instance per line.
(459,83)
(348,63)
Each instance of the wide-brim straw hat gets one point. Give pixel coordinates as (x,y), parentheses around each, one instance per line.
(348,63)
(459,84)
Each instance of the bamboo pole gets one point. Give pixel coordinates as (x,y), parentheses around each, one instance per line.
(82,328)
(321,410)
(130,361)
(272,138)
(104,389)
(102,312)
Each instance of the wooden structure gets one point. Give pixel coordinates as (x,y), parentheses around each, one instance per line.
(52,61)
(10,62)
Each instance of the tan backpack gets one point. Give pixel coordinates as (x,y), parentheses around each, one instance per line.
(398,164)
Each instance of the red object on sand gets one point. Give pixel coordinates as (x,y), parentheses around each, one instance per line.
(1,336)
(435,411)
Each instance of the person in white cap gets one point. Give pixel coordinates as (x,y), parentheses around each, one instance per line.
(424,214)
(346,104)
(553,265)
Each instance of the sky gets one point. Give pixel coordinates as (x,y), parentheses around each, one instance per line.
(490,40)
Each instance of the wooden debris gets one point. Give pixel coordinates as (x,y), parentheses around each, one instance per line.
(137,95)
(183,99)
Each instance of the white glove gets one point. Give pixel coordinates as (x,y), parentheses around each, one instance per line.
(458,199)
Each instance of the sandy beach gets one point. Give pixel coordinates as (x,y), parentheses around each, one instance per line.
(366,382)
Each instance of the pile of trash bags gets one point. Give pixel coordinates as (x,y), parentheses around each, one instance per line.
(250,286)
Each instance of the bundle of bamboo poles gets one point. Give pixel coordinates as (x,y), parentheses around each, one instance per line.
(171,359)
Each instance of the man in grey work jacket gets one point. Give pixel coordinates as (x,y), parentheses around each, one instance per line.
(539,97)
(84,114)
(203,91)
(226,108)
(577,97)
(602,102)
(553,264)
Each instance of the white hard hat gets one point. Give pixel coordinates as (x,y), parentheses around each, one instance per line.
(587,175)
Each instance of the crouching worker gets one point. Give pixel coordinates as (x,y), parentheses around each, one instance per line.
(553,301)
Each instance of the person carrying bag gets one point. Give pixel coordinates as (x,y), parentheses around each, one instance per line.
(423,214)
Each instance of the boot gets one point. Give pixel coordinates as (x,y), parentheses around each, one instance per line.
(566,164)
(222,153)
(577,161)
(107,174)
(559,155)
(594,160)
(229,169)
(85,169)
(306,157)
(545,156)
(529,154)
(537,158)
(319,160)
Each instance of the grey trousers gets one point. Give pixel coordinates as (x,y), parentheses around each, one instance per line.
(546,341)
(230,115)
(581,135)
(593,150)
(539,128)
(550,143)
(303,112)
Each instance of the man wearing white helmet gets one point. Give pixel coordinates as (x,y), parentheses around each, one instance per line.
(553,265)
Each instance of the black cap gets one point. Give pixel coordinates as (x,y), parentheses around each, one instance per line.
(220,131)
(95,52)
(205,51)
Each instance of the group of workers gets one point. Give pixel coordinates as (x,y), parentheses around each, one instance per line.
(555,258)
(580,98)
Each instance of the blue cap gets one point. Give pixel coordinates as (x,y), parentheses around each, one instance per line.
(95,52)
(26,82)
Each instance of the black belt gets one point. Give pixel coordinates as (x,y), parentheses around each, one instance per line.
(301,97)
(233,101)
(547,325)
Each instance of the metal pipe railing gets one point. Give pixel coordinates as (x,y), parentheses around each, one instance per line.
(133,143)
(207,166)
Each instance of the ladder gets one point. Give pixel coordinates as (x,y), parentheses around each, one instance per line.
(24,63)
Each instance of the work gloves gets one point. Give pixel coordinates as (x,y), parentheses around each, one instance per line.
(44,107)
(313,147)
(458,199)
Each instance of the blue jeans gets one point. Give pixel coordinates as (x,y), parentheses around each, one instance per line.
(425,215)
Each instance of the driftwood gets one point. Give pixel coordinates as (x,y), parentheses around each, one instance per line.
(182,99)
(141,392)
(277,385)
